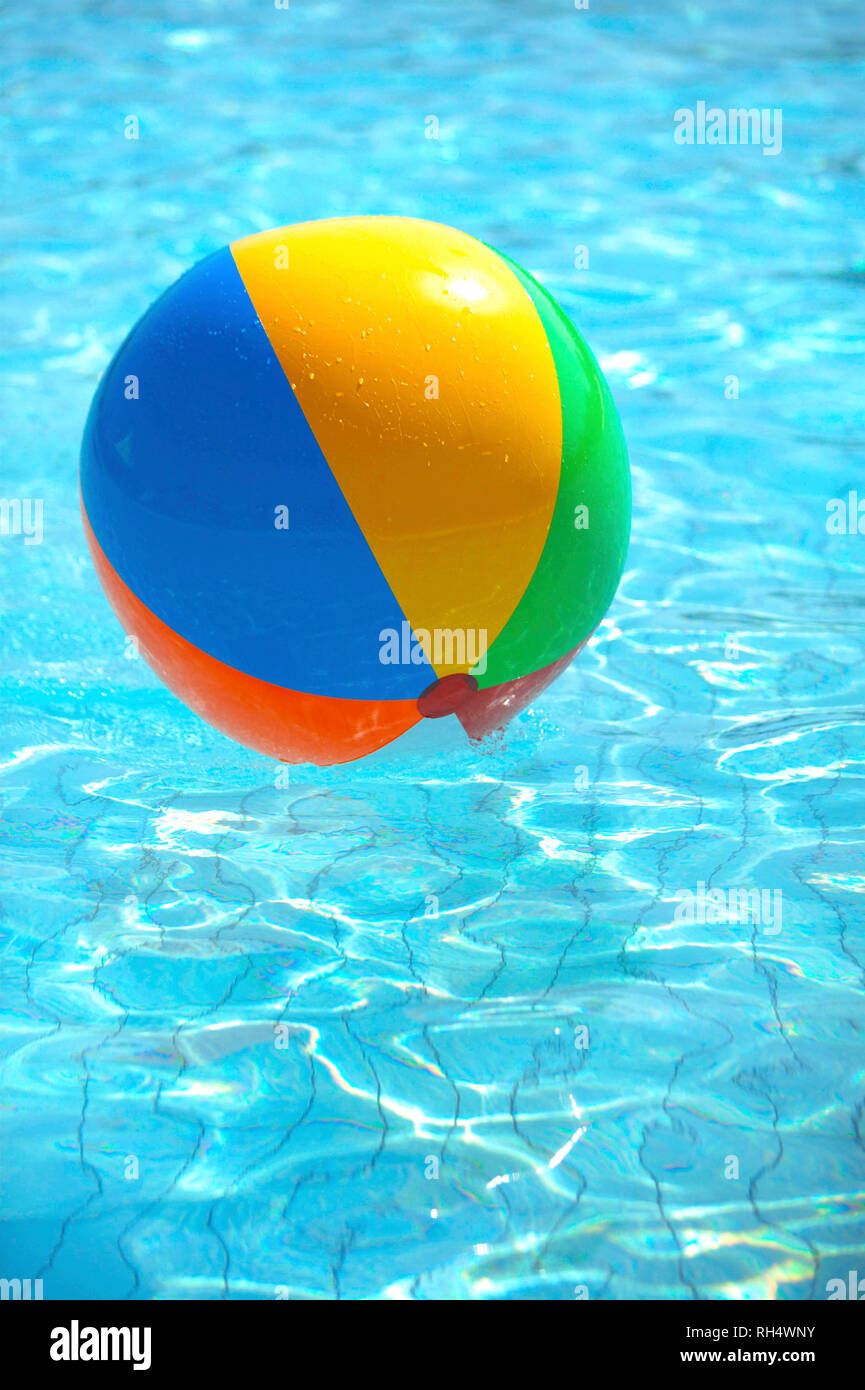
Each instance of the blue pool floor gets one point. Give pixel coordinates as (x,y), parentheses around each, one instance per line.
(440,1024)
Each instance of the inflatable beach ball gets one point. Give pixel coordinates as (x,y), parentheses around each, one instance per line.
(352,474)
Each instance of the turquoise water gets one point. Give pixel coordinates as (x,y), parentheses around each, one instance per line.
(439,1025)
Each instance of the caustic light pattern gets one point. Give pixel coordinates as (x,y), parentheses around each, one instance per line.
(350,474)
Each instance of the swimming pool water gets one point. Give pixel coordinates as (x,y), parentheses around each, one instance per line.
(447,1023)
